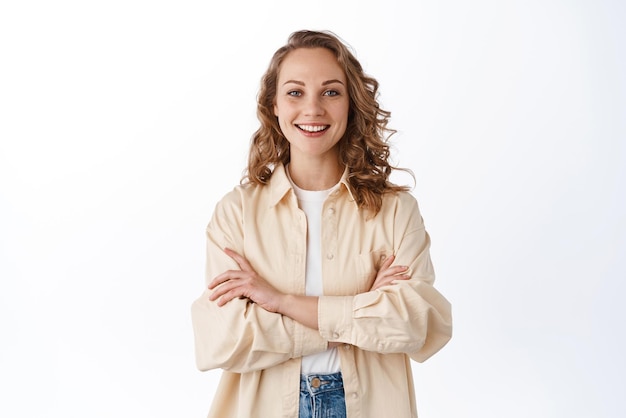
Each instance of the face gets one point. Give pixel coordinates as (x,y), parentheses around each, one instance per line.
(312,103)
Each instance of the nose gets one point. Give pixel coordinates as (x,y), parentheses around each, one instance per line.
(313,106)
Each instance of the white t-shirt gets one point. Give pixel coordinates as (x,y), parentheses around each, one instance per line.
(311,202)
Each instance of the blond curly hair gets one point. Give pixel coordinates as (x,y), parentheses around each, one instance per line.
(363,149)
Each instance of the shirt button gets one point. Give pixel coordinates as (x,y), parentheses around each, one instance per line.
(335,335)
(330,256)
(346,346)
(331,211)
(355,395)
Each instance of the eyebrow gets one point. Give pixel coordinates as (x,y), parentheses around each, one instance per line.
(325,83)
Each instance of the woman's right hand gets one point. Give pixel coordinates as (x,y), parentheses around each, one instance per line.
(244,283)
(387,274)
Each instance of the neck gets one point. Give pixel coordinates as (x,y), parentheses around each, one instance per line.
(315,176)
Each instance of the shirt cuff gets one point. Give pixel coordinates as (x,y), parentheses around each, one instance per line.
(334,316)
(307,341)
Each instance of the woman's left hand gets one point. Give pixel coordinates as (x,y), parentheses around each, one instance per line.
(244,283)
(388,275)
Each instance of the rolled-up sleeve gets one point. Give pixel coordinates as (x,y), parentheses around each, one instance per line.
(409,316)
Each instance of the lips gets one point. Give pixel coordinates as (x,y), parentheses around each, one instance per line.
(313,128)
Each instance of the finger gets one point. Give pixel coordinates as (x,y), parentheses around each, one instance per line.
(387,262)
(218,280)
(389,280)
(395,270)
(382,284)
(224,277)
(226,297)
(224,288)
(241,260)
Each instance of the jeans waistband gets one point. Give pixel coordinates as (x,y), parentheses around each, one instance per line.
(316,383)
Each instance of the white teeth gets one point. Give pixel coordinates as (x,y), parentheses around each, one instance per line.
(312,128)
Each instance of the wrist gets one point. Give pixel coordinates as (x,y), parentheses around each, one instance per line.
(282,303)
(302,309)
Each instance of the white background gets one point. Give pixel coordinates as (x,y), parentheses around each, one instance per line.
(123,122)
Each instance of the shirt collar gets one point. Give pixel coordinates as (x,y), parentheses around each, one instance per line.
(279,185)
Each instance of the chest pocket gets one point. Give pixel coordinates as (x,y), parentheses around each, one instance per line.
(369,264)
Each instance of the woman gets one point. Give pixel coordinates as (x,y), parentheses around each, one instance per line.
(319,279)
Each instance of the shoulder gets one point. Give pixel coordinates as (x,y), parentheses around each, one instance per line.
(400,199)
(238,196)
(230,210)
(403,208)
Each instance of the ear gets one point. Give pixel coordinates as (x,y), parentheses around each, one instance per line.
(275,109)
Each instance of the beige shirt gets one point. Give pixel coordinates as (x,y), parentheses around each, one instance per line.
(380,331)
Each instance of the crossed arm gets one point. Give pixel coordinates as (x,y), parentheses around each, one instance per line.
(246,283)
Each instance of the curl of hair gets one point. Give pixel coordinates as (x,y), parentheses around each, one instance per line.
(363,149)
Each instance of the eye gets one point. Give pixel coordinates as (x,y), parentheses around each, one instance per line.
(331,93)
(294,93)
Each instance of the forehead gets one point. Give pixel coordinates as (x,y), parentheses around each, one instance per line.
(310,64)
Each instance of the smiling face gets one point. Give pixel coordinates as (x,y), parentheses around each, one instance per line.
(312,104)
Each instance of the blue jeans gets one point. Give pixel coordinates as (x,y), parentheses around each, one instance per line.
(322,396)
